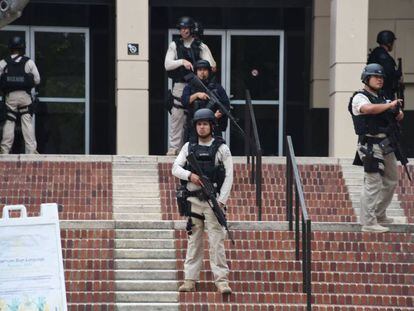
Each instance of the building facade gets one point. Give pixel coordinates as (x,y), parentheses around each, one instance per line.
(104,85)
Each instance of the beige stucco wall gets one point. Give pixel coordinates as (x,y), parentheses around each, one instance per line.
(132,78)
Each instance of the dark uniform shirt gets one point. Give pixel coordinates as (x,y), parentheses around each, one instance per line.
(380,56)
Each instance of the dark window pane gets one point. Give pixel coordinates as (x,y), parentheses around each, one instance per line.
(60,128)
(255,66)
(60,58)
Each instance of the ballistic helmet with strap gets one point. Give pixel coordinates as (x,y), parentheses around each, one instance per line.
(185,22)
(386,37)
(203,114)
(372,70)
(202,63)
(16,43)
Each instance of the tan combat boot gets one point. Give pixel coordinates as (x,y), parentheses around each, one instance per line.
(223,287)
(187,286)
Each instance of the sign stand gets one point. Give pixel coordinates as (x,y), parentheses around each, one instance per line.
(31,264)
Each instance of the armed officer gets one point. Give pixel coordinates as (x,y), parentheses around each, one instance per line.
(371,115)
(381,55)
(18,75)
(181,55)
(215,160)
(194,99)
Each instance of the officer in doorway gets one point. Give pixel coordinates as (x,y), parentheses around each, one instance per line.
(381,55)
(194,99)
(182,54)
(372,114)
(18,75)
(215,160)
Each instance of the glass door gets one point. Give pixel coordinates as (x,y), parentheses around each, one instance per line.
(255,62)
(62,119)
(62,57)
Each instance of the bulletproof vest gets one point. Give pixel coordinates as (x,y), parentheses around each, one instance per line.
(369,124)
(192,54)
(14,77)
(206,157)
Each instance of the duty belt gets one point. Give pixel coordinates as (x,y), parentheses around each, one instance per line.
(370,140)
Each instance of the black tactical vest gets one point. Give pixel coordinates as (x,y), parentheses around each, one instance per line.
(14,77)
(192,54)
(206,156)
(369,124)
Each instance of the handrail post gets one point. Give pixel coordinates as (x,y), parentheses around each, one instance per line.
(297,222)
(309,265)
(289,192)
(259,184)
(247,148)
(304,256)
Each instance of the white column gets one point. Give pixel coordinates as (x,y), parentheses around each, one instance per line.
(132,98)
(348,55)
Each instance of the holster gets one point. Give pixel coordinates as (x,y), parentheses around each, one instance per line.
(386,146)
(184,207)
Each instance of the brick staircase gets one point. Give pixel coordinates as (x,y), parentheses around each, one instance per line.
(129,255)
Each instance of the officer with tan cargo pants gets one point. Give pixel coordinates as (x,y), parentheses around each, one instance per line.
(212,154)
(371,114)
(18,75)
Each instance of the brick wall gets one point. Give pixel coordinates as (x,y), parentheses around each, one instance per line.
(405,190)
(325,193)
(88,258)
(84,188)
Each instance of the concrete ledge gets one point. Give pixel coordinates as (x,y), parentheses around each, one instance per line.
(87,224)
(54,158)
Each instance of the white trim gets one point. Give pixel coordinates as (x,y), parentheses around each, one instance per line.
(281,92)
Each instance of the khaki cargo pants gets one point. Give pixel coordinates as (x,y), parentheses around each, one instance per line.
(178,120)
(195,250)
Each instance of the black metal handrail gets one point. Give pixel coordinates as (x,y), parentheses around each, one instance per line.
(253,149)
(293,182)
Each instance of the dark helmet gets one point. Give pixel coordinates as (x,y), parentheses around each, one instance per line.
(202,63)
(372,70)
(204,114)
(385,37)
(17,43)
(198,29)
(185,22)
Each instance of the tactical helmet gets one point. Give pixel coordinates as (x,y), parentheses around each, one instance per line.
(202,63)
(204,114)
(198,29)
(385,37)
(17,43)
(185,22)
(372,70)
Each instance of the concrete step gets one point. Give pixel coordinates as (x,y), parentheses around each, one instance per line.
(139,193)
(146,285)
(135,172)
(390,212)
(135,179)
(393,204)
(146,297)
(135,165)
(147,307)
(353,175)
(397,219)
(354,196)
(139,186)
(145,243)
(138,216)
(150,264)
(155,208)
(354,182)
(140,201)
(143,234)
(146,275)
(153,225)
(145,253)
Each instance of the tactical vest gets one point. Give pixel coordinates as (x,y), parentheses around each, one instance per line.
(192,54)
(369,124)
(206,158)
(15,78)
(198,103)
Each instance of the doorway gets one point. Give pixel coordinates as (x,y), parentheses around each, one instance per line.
(63,113)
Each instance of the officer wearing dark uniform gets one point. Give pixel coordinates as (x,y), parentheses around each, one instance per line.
(181,55)
(381,55)
(213,155)
(371,113)
(18,75)
(194,99)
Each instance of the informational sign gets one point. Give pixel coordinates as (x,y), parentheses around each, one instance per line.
(31,265)
(133,48)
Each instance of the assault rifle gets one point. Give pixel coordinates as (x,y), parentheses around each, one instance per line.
(210,193)
(192,78)
(394,137)
(400,87)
